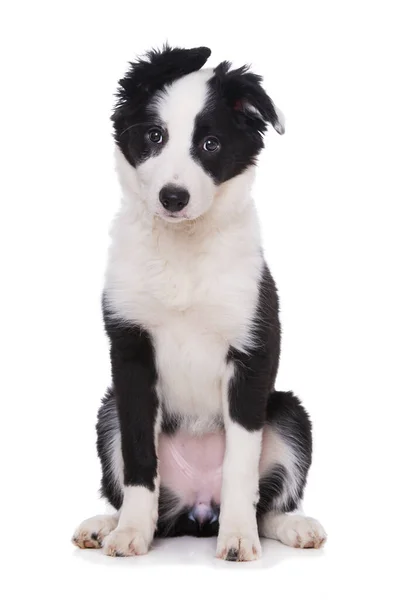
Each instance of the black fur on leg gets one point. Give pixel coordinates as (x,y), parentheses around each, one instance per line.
(290,420)
(107,428)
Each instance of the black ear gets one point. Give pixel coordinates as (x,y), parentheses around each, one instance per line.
(244,93)
(152,73)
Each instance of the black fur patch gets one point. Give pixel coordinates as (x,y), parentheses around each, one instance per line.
(133,115)
(271,487)
(255,370)
(107,427)
(134,379)
(288,416)
(170,423)
(237,112)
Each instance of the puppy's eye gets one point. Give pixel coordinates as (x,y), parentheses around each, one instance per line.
(155,135)
(211,144)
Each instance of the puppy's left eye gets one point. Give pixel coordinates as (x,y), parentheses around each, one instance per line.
(211,144)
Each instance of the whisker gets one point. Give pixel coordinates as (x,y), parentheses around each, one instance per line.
(134,125)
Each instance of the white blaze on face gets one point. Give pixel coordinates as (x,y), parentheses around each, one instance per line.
(177,107)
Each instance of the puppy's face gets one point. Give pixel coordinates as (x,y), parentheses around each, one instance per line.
(185,131)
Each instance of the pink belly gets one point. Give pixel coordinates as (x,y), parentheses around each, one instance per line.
(191,466)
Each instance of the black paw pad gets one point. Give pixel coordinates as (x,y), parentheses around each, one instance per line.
(233,554)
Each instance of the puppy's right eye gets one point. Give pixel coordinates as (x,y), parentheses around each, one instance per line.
(155,135)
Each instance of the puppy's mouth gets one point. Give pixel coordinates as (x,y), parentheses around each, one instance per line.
(173,217)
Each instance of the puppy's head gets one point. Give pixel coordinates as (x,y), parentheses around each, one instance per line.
(185,131)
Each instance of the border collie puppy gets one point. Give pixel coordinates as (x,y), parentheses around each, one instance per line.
(193,438)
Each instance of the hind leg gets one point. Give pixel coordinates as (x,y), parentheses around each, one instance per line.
(293,529)
(285,461)
(90,533)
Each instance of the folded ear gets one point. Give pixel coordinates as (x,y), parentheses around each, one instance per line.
(154,71)
(244,93)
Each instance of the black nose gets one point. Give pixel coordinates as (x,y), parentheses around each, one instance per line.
(173,198)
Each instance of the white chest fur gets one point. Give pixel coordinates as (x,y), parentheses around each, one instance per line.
(195,289)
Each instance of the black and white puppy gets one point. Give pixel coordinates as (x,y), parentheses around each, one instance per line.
(192,436)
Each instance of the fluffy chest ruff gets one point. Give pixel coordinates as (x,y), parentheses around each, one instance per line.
(194,289)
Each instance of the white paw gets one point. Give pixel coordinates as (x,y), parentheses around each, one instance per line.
(90,533)
(301,532)
(237,547)
(125,542)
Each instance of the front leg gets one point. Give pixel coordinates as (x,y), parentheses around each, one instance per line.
(134,379)
(245,395)
(238,538)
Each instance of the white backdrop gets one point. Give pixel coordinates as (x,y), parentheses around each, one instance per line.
(327,193)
